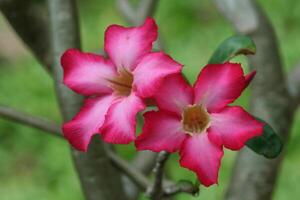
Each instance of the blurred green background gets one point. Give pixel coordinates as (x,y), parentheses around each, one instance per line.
(35,165)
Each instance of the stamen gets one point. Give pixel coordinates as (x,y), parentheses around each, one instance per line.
(195,119)
(122,84)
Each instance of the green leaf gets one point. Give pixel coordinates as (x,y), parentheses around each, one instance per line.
(269,144)
(232,47)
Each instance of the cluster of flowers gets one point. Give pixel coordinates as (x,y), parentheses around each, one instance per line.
(194,120)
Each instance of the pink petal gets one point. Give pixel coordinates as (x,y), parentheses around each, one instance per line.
(125,46)
(174,94)
(151,71)
(232,127)
(203,157)
(249,77)
(120,121)
(218,85)
(86,123)
(161,132)
(86,73)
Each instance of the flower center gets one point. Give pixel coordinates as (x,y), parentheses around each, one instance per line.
(195,119)
(122,84)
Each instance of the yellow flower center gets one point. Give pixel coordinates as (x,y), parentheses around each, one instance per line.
(122,84)
(195,119)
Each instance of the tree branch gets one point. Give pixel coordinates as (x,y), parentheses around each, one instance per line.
(156,187)
(136,16)
(30,20)
(294,84)
(127,11)
(155,191)
(93,167)
(26,119)
(144,161)
(146,9)
(132,171)
(181,187)
(254,177)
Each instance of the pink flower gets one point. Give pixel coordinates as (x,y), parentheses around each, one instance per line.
(197,121)
(116,86)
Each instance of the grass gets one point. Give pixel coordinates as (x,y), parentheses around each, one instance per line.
(34,165)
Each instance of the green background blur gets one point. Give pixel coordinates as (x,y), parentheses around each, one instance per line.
(35,165)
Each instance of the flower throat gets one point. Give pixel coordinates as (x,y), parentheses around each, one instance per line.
(122,84)
(195,119)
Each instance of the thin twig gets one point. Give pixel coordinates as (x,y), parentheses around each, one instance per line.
(155,191)
(181,187)
(143,182)
(135,174)
(131,171)
(50,127)
(29,120)
(144,161)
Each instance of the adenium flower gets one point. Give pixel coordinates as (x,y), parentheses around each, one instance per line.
(197,121)
(116,86)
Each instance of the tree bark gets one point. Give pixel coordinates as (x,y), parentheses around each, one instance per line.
(29,120)
(30,20)
(254,177)
(294,84)
(136,15)
(99,180)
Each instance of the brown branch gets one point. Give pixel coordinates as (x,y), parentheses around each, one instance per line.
(156,187)
(144,161)
(155,191)
(29,120)
(98,178)
(50,127)
(181,187)
(30,20)
(132,171)
(254,177)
